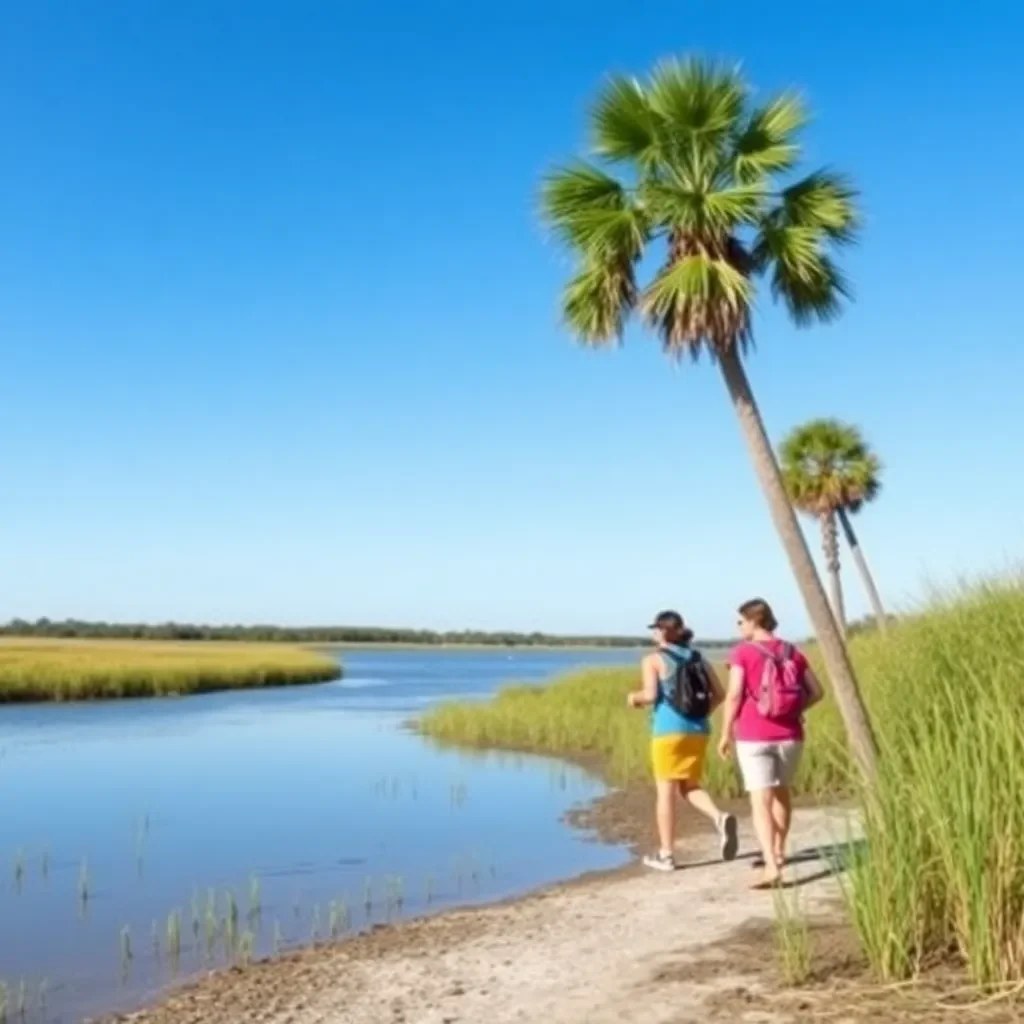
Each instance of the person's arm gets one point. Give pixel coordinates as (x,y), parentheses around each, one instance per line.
(815,691)
(733,699)
(647,695)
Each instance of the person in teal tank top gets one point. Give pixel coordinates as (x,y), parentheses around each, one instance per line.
(682,691)
(666,719)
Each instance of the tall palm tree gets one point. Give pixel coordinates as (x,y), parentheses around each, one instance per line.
(830,473)
(705,174)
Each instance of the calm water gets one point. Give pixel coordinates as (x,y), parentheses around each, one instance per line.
(114,816)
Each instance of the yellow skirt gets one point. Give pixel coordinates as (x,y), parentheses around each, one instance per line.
(679,758)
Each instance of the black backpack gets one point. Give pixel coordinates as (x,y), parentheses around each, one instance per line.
(689,691)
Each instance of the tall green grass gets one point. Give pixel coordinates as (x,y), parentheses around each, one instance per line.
(62,670)
(584,715)
(941,873)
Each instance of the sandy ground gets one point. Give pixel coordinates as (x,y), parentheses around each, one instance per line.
(629,947)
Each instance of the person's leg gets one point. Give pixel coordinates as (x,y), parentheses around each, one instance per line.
(689,772)
(788,758)
(666,816)
(757,764)
(782,816)
(725,823)
(700,800)
(764,828)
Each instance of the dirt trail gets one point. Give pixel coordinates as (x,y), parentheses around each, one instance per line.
(604,951)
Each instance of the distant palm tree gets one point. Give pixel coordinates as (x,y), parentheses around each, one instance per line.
(701,171)
(830,472)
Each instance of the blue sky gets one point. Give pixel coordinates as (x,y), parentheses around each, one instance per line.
(279,327)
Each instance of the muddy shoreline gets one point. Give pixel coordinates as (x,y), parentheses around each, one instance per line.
(615,946)
(582,922)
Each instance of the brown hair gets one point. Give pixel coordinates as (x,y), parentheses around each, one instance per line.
(677,632)
(759,612)
(672,625)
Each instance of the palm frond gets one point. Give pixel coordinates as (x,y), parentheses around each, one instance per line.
(579,186)
(766,144)
(597,301)
(698,101)
(825,201)
(731,208)
(803,275)
(815,294)
(692,210)
(592,211)
(623,125)
(699,301)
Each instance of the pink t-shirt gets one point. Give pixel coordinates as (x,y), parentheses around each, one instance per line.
(751,725)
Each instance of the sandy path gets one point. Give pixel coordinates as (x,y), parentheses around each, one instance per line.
(604,951)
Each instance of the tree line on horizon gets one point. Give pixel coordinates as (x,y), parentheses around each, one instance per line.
(83,629)
(86,630)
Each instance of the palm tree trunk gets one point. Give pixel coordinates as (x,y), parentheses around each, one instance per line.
(830,542)
(865,572)
(837,661)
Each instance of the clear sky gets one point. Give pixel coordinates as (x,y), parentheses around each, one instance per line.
(279,328)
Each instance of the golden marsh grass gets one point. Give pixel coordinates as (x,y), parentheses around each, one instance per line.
(65,670)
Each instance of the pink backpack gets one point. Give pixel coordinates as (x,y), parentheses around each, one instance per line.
(781,694)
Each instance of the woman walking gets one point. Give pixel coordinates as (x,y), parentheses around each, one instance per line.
(771,685)
(683,690)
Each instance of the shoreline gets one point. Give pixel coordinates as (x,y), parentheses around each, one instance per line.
(555,954)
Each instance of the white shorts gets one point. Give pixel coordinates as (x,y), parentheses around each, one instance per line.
(769,765)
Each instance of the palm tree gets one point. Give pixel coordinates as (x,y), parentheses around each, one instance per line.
(705,174)
(830,473)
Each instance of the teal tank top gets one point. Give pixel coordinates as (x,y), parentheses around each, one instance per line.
(665,719)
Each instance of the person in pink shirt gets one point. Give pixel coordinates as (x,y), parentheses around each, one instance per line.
(771,685)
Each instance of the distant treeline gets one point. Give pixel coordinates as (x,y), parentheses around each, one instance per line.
(74,628)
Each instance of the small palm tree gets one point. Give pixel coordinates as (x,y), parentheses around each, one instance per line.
(830,473)
(705,175)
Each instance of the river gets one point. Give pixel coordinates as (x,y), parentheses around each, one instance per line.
(142,842)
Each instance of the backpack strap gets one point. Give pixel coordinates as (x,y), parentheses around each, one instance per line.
(678,659)
(768,653)
(679,664)
(751,687)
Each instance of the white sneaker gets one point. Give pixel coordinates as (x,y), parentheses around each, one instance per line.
(729,831)
(661,862)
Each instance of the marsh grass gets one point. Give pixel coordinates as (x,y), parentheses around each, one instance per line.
(246,948)
(255,900)
(584,715)
(941,875)
(792,937)
(174,935)
(63,670)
